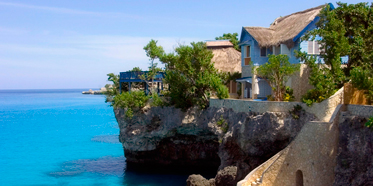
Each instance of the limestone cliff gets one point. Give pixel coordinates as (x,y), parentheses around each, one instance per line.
(354,159)
(205,141)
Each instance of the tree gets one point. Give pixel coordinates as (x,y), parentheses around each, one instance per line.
(320,77)
(153,52)
(277,71)
(233,38)
(134,85)
(344,31)
(112,90)
(191,76)
(135,69)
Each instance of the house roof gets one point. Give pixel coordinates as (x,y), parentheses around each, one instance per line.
(284,29)
(227,59)
(219,43)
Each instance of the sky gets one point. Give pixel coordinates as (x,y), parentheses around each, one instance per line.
(67,44)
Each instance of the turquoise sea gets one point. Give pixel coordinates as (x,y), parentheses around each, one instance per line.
(62,137)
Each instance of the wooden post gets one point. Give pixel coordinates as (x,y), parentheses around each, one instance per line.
(254,85)
(243,85)
(230,87)
(145,88)
(158,88)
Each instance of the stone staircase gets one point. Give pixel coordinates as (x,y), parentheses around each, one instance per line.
(258,181)
(312,153)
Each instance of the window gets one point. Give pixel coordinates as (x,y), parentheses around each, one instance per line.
(263,52)
(269,50)
(248,51)
(247,57)
(277,50)
(313,47)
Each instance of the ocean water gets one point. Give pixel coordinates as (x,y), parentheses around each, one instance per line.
(61,137)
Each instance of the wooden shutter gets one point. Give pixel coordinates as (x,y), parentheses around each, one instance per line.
(234,87)
(247,60)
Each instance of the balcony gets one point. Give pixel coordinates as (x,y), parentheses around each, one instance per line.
(136,76)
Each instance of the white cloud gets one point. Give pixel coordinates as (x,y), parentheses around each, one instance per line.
(110,47)
(152,19)
(68,10)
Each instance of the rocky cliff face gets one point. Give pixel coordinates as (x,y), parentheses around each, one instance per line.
(354,159)
(205,141)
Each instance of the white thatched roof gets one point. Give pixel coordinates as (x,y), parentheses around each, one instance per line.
(227,59)
(284,29)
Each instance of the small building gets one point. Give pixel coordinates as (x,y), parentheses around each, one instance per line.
(282,37)
(226,59)
(135,77)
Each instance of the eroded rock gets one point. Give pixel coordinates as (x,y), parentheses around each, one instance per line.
(197,141)
(226,176)
(354,159)
(198,180)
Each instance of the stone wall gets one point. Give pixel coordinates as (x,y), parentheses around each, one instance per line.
(323,111)
(246,71)
(299,82)
(361,110)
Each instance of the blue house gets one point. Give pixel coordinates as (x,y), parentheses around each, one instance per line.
(282,37)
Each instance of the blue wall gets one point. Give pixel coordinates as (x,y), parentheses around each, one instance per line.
(247,39)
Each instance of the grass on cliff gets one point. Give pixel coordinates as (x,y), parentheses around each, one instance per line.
(223,124)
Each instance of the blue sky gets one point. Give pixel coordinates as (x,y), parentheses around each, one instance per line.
(74,43)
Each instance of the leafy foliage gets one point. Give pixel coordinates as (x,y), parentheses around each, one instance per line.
(296,111)
(153,52)
(191,76)
(133,101)
(369,123)
(157,101)
(134,85)
(233,38)
(344,31)
(277,71)
(223,124)
(289,94)
(227,76)
(112,90)
(135,69)
(320,77)
(362,80)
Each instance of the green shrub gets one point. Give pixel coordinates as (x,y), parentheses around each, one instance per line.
(157,101)
(129,113)
(295,112)
(369,123)
(192,77)
(362,80)
(223,124)
(239,91)
(289,94)
(270,98)
(277,71)
(132,101)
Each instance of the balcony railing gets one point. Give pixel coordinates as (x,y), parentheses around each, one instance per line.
(136,76)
